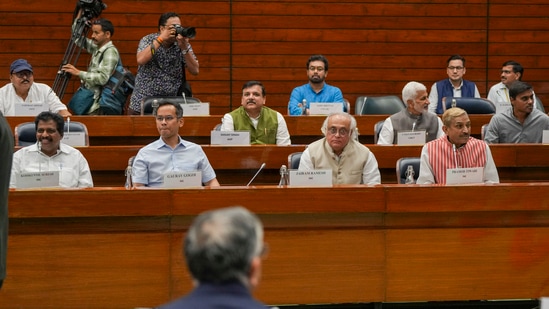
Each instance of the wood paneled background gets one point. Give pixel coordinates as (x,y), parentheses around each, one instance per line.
(374,47)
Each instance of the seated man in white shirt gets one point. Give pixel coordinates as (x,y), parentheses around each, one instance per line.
(266,125)
(339,151)
(415,117)
(50,154)
(511,71)
(23,89)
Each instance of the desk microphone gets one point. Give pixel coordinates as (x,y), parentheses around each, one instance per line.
(259,170)
(455,156)
(184,97)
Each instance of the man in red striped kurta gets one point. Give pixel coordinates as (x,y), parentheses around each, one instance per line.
(456,149)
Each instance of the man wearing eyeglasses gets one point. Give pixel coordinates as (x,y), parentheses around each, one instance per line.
(23,90)
(339,151)
(454,86)
(170,153)
(317,90)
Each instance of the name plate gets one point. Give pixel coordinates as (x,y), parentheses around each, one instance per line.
(30,109)
(544,302)
(196,109)
(37,179)
(411,137)
(317,108)
(233,138)
(455,176)
(502,106)
(74,139)
(313,178)
(545,137)
(175,180)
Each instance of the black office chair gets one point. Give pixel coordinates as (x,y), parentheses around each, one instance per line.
(217,127)
(377,130)
(384,105)
(25,133)
(402,167)
(293,160)
(471,105)
(148,103)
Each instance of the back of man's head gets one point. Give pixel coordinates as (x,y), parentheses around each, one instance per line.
(221,244)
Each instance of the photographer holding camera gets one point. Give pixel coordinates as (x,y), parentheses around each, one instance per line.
(162,58)
(104,60)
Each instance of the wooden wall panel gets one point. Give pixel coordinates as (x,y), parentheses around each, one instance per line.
(374,47)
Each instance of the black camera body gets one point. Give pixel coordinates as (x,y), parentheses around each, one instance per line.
(188,32)
(91,8)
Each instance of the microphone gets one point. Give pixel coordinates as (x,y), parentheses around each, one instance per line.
(259,170)
(184,97)
(455,156)
(129,182)
(283,176)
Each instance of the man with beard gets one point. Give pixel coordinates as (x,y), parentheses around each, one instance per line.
(104,60)
(316,90)
(49,154)
(266,125)
(23,89)
(415,117)
(339,151)
(499,93)
(455,150)
(523,123)
(453,86)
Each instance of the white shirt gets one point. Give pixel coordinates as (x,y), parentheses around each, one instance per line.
(282,134)
(73,168)
(387,136)
(38,93)
(433,96)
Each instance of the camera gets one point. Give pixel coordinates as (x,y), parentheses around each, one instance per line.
(188,32)
(91,8)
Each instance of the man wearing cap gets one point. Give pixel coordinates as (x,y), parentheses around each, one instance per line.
(23,89)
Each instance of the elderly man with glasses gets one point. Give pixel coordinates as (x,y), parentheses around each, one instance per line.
(339,151)
(23,90)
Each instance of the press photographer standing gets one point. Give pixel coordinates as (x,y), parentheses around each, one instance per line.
(104,60)
(162,58)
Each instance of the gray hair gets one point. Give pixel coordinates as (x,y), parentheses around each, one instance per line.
(220,245)
(353,128)
(409,92)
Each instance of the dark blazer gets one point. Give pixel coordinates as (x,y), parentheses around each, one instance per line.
(207,296)
(6,155)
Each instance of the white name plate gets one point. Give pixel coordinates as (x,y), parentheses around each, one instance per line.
(502,106)
(411,137)
(545,138)
(175,180)
(37,179)
(455,176)
(317,108)
(196,109)
(313,178)
(74,139)
(544,302)
(233,138)
(30,109)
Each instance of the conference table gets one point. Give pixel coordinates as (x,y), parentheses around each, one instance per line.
(115,248)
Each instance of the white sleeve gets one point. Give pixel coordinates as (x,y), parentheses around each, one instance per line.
(425,169)
(305,163)
(492,95)
(440,132)
(370,173)
(227,123)
(386,136)
(477,93)
(490,170)
(282,134)
(433,99)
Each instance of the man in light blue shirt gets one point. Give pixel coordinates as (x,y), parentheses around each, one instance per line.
(170,153)
(316,90)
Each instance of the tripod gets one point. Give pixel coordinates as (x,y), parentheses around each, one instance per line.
(87,10)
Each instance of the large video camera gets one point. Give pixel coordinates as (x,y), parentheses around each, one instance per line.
(91,8)
(188,32)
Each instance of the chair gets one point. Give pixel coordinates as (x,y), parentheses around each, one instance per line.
(217,127)
(25,133)
(402,166)
(128,173)
(377,130)
(293,160)
(471,105)
(383,105)
(148,103)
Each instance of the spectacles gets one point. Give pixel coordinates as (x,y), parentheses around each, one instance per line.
(167,118)
(319,69)
(23,74)
(455,68)
(342,131)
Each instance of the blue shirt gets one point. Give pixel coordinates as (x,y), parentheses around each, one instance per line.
(327,94)
(157,158)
